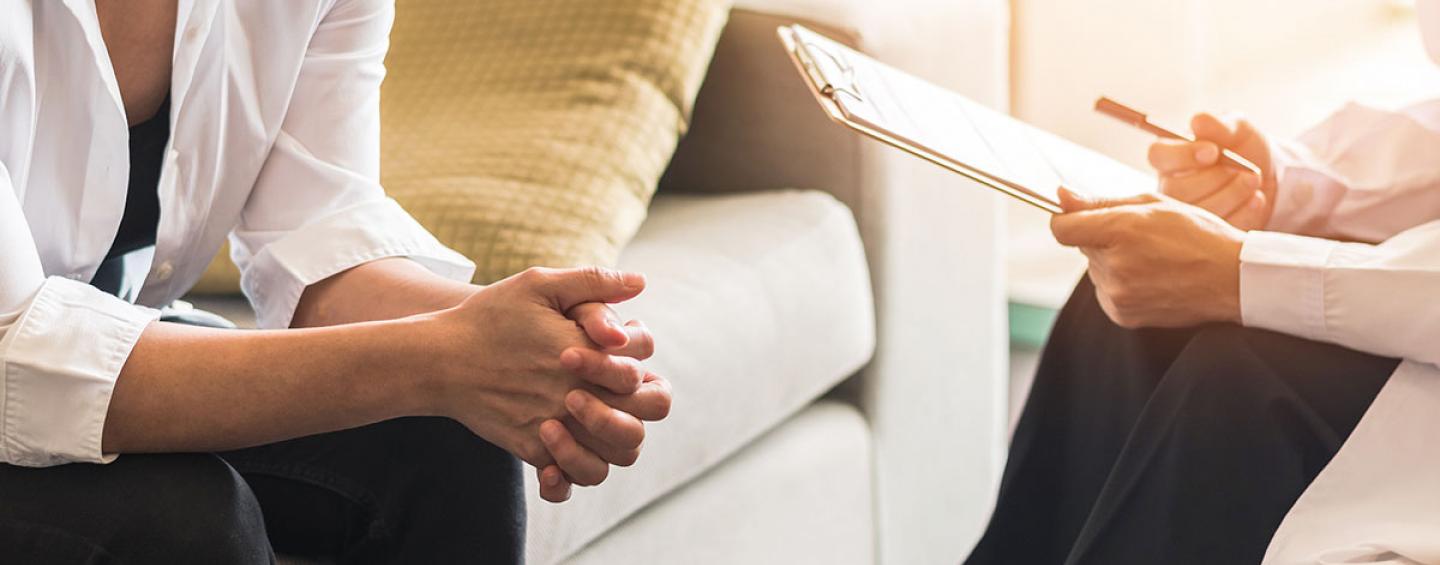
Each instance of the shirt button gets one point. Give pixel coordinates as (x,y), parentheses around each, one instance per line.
(163,272)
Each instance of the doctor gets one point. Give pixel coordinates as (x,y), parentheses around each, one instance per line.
(375,419)
(1249,371)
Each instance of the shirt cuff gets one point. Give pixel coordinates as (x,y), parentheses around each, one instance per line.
(1282,283)
(58,367)
(1295,179)
(276,277)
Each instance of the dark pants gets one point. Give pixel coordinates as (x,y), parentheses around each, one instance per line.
(1170,446)
(413,490)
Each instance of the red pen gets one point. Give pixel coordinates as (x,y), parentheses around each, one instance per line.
(1140,120)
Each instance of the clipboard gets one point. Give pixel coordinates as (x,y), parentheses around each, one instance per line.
(952,131)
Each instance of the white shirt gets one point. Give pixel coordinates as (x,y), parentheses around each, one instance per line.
(1370,176)
(275,141)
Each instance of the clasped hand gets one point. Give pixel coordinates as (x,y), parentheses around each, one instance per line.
(1173,259)
(539,365)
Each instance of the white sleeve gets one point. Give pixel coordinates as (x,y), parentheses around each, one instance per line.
(1361,175)
(317,208)
(62,345)
(1379,299)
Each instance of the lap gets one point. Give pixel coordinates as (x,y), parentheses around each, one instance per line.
(406,490)
(141,508)
(402,490)
(1228,370)
(1215,367)
(1137,443)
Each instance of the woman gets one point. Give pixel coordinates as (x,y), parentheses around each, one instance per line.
(380,426)
(1159,430)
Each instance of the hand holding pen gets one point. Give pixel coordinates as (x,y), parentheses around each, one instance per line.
(1227,169)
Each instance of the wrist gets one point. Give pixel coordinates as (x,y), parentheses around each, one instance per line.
(440,367)
(401,368)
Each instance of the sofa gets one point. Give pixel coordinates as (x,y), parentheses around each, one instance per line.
(830,312)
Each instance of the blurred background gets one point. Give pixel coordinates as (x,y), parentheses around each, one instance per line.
(1286,64)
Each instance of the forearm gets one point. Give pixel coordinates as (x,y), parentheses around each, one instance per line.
(379,290)
(354,359)
(193,389)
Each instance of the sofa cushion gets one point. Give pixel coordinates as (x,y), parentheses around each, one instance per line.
(533,132)
(760,303)
(812,476)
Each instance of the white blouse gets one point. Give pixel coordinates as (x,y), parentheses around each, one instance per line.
(1364,175)
(275,142)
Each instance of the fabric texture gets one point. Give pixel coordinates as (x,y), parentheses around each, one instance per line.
(409,490)
(1363,174)
(780,280)
(802,493)
(534,132)
(1170,445)
(59,364)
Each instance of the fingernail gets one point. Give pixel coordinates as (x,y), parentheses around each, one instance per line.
(1206,153)
(574,401)
(1069,200)
(634,280)
(552,479)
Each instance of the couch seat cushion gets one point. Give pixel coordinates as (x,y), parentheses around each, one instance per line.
(760,303)
(802,493)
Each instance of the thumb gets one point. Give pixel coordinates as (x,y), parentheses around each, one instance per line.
(1071,201)
(1233,133)
(566,288)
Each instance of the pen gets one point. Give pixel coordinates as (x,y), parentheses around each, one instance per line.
(1140,120)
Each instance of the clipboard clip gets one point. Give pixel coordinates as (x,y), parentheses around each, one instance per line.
(827,87)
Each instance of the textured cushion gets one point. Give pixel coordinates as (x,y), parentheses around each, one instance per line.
(760,303)
(533,132)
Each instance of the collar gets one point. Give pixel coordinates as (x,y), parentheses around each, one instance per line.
(193,22)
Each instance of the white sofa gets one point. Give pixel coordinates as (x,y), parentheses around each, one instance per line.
(897,464)
(830,313)
(790,442)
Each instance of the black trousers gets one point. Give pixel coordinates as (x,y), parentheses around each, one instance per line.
(1170,446)
(412,490)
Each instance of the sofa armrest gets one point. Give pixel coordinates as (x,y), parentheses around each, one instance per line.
(935,392)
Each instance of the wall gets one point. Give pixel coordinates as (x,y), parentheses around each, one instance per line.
(1284,63)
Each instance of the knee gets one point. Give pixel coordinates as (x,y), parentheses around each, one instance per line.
(1226,370)
(447,453)
(447,443)
(198,506)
